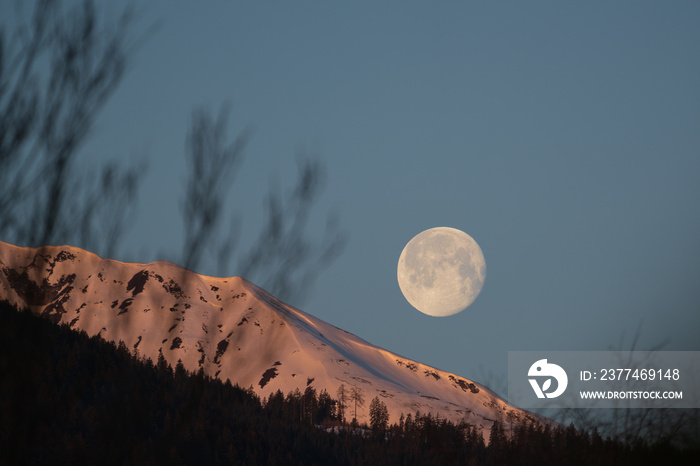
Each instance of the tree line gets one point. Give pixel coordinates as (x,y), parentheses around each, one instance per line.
(67,398)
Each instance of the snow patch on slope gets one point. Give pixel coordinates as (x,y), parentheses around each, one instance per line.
(233,330)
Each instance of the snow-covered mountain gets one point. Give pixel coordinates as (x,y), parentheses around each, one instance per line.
(233,330)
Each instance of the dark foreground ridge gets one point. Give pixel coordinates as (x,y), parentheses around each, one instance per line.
(66,398)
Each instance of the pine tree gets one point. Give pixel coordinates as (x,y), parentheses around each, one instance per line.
(342,395)
(326,407)
(163,366)
(309,403)
(378,416)
(498,443)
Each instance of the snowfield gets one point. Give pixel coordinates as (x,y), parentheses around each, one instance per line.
(233,330)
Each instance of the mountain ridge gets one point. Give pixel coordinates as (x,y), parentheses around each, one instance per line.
(234,330)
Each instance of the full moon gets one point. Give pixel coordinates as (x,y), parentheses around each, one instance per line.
(441,271)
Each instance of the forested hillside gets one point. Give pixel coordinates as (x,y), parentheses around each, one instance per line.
(66,398)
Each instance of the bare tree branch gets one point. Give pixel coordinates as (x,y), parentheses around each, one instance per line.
(211,168)
(57,71)
(46,116)
(284,260)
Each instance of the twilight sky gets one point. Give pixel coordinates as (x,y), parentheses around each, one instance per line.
(563,137)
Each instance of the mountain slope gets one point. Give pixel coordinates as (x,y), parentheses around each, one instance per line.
(233,330)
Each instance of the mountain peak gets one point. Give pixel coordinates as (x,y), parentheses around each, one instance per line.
(232,329)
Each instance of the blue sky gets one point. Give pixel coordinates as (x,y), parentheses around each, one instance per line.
(564,137)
